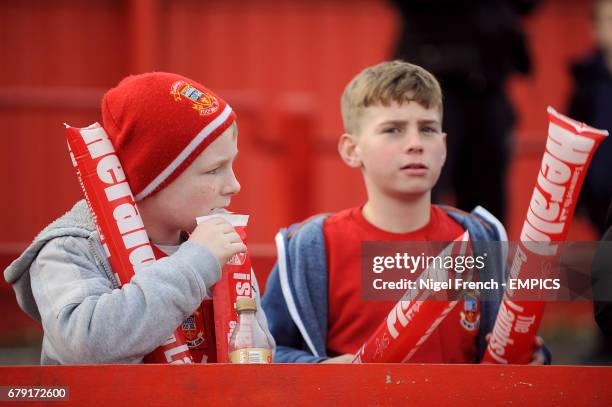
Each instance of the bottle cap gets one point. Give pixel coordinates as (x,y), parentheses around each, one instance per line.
(245,304)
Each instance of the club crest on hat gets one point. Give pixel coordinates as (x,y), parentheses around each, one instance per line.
(203,102)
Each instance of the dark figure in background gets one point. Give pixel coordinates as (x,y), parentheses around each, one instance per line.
(602,291)
(591,102)
(471,46)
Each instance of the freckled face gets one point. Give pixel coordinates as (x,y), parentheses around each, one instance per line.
(207,184)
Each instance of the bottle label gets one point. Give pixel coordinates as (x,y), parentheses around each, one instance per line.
(251,355)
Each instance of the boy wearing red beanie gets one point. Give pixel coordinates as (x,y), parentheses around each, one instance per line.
(176,141)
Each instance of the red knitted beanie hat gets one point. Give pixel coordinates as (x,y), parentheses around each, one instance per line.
(159,123)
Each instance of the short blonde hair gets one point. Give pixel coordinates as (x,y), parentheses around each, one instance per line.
(596,11)
(393,81)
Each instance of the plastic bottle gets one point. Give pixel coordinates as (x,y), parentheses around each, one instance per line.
(249,343)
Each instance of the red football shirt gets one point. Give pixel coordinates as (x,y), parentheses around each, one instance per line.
(351,320)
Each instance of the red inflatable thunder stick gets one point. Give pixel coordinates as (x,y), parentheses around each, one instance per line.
(569,149)
(236,280)
(114,211)
(416,316)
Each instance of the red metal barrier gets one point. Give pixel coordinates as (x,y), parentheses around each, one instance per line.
(270,385)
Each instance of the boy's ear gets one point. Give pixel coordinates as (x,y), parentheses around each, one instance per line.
(445,147)
(349,151)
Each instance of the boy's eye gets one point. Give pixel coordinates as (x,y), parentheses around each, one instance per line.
(391,130)
(212,172)
(429,130)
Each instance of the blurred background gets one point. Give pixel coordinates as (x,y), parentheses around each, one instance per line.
(282,65)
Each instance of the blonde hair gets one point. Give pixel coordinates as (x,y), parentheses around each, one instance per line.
(393,81)
(596,10)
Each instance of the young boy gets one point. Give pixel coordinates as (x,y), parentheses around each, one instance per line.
(392,114)
(176,141)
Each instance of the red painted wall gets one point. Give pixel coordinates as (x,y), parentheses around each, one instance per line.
(269,57)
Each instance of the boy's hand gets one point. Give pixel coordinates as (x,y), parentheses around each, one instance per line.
(219,237)
(346,358)
(538,357)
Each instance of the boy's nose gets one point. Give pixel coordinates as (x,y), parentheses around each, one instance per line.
(413,143)
(232,187)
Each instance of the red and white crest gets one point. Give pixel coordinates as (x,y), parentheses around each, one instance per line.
(204,102)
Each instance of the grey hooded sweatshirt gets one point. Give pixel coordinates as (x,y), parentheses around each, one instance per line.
(64,281)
